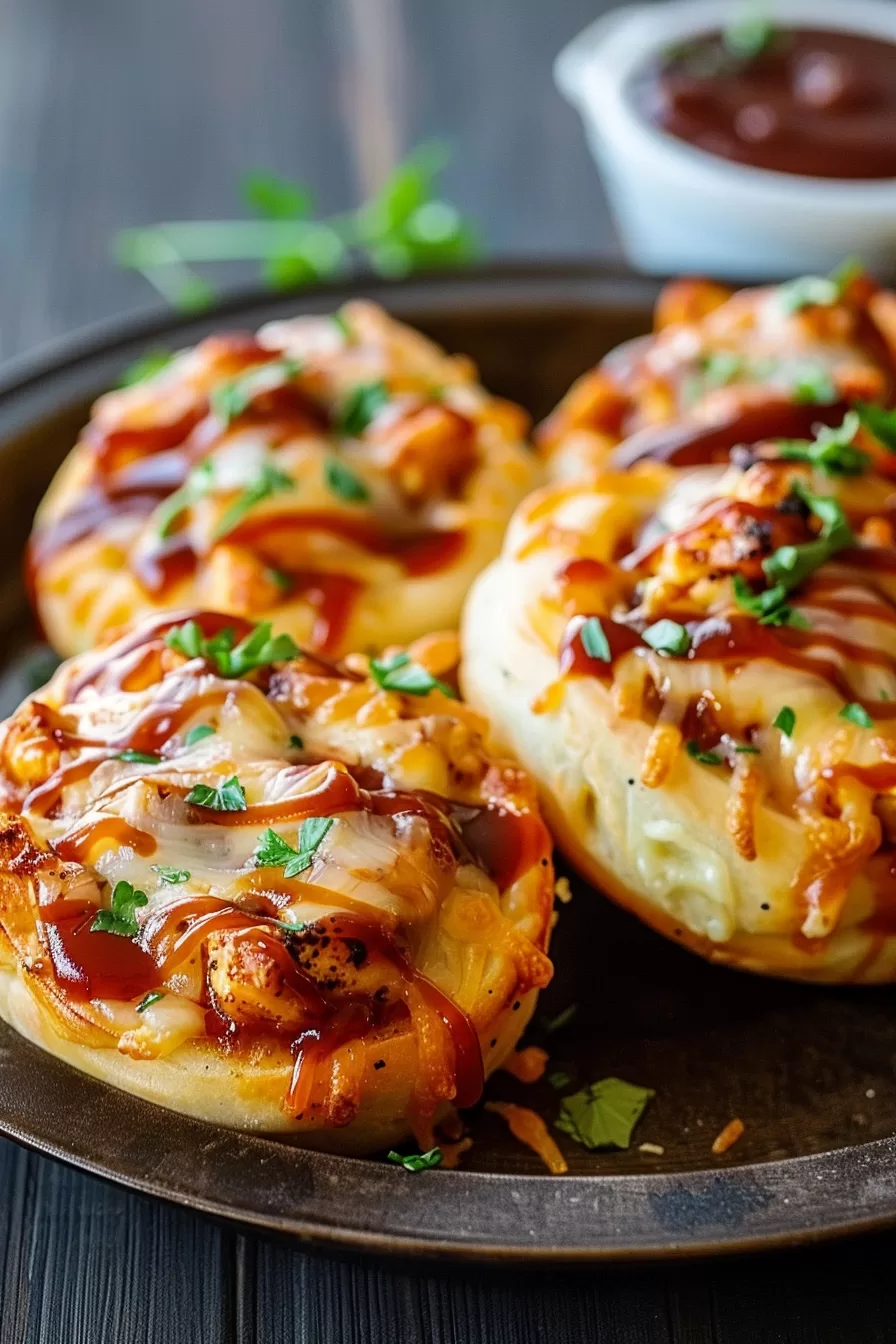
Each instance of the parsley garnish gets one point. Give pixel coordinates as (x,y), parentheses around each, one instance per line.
(199,482)
(848,270)
(562,1019)
(559,1079)
(832,450)
(227,797)
(667,637)
(122,918)
(857,714)
(879,422)
(269,481)
(721,368)
(785,720)
(272,851)
(343,482)
(747,750)
(416,1161)
(257,649)
(147,366)
(790,565)
(401,674)
(768,607)
(703,757)
(813,385)
(138,757)
(604,1115)
(174,876)
(152,997)
(296,741)
(808,291)
(594,640)
(228,400)
(361,407)
(198,734)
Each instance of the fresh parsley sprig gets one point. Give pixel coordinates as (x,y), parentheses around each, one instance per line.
(406,226)
(604,1115)
(227,797)
(272,851)
(121,918)
(269,481)
(259,648)
(832,450)
(400,673)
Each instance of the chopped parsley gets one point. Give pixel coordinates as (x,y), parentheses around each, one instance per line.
(832,450)
(138,757)
(146,367)
(257,649)
(721,368)
(879,422)
(121,919)
(604,1115)
(296,741)
(785,721)
(362,405)
(745,749)
(401,674)
(228,400)
(702,757)
(594,640)
(559,1079)
(667,637)
(173,876)
(813,386)
(272,851)
(416,1161)
(857,714)
(549,1025)
(198,734)
(152,997)
(269,481)
(227,797)
(848,270)
(343,482)
(278,578)
(808,291)
(790,565)
(199,482)
(768,607)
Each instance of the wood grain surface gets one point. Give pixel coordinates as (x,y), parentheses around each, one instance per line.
(120,112)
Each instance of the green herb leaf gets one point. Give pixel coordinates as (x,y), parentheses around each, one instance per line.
(747,37)
(138,757)
(173,876)
(199,482)
(768,607)
(270,481)
(228,400)
(400,674)
(416,1161)
(559,1079)
(703,757)
(198,734)
(594,640)
(272,851)
(550,1025)
(296,741)
(832,449)
(879,422)
(361,407)
(843,275)
(667,637)
(276,197)
(721,368)
(807,291)
(790,565)
(146,367)
(813,386)
(152,997)
(857,714)
(604,1115)
(121,919)
(344,483)
(227,797)
(747,750)
(342,324)
(785,720)
(258,649)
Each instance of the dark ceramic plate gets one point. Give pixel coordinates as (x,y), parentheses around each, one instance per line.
(810,1071)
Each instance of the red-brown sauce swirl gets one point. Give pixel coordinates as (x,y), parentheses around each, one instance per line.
(808,101)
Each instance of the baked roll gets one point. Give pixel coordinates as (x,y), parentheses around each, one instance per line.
(267,891)
(340,476)
(699,667)
(723,368)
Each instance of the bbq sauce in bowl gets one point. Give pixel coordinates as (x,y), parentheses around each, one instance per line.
(817,103)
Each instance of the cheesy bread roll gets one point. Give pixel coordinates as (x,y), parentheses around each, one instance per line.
(267,891)
(699,667)
(340,476)
(723,368)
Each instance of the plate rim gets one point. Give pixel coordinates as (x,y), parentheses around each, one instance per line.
(797,1188)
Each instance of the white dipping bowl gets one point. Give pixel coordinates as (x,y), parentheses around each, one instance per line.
(678,208)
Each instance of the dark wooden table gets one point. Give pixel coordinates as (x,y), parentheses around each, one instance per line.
(118,112)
